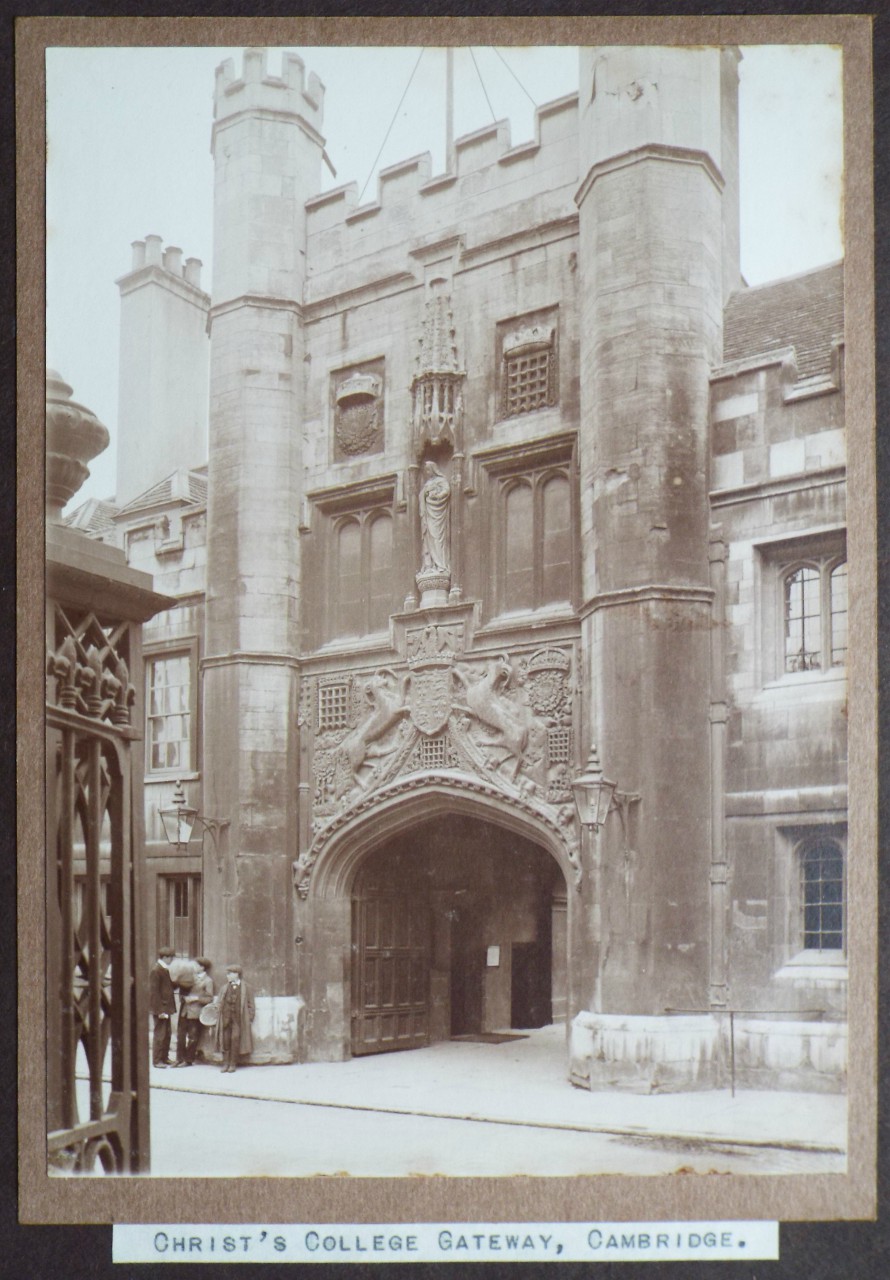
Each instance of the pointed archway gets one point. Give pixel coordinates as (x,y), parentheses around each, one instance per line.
(452,936)
(445,911)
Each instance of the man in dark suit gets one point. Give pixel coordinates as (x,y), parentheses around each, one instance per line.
(233,1034)
(162,1005)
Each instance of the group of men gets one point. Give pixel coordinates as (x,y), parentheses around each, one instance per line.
(233,1006)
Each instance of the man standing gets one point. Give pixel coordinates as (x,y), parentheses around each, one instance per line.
(192,999)
(236,1012)
(162,1005)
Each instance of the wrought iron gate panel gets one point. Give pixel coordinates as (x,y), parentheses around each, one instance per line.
(91,954)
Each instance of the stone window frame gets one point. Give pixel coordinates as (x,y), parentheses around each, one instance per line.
(362,503)
(814,926)
(516,342)
(794,842)
(534,463)
(822,553)
(159,652)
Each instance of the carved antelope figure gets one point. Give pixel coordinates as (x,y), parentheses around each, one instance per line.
(485,698)
(387,707)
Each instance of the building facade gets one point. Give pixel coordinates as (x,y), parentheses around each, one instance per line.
(505,463)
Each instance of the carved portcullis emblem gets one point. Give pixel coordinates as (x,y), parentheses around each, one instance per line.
(358,415)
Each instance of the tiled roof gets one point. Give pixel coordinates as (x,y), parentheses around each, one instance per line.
(94,517)
(183,485)
(805,312)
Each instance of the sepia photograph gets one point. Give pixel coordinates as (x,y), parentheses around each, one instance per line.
(456,635)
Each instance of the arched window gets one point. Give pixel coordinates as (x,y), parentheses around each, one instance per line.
(380,575)
(838,612)
(556,580)
(362,587)
(536,533)
(519,548)
(822,895)
(815,616)
(348,582)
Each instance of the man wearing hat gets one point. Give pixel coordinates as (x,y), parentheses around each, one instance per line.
(162,1005)
(193,996)
(236,1011)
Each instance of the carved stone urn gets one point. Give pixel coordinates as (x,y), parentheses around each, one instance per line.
(74,436)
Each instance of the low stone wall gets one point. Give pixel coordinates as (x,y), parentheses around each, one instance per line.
(278,1031)
(673,1053)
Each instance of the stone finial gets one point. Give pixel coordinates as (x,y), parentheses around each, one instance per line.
(74,435)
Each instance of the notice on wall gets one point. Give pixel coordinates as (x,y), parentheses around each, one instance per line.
(447,1242)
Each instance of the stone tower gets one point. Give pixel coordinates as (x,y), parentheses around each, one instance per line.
(267,150)
(658,254)
(164,358)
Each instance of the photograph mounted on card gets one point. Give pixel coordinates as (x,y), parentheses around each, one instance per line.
(456,728)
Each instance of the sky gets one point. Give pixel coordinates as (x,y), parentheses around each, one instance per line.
(128,146)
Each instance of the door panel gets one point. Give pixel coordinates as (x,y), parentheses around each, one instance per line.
(390,933)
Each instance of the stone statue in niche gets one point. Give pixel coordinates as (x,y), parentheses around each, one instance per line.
(435,522)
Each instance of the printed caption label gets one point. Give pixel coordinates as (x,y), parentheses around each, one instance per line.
(446,1242)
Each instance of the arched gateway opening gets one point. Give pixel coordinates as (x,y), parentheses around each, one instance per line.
(458,929)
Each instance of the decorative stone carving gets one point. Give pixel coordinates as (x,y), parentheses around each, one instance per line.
(506,720)
(437,386)
(558,821)
(358,414)
(384,695)
(490,700)
(533,337)
(433,641)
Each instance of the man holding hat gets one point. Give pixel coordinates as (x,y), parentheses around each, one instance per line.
(236,1013)
(193,996)
(162,1006)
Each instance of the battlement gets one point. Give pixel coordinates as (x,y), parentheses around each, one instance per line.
(487,151)
(164,265)
(292,92)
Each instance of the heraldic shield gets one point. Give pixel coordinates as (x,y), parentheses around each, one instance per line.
(429,697)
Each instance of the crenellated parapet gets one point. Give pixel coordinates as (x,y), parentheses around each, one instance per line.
(293,92)
(489,175)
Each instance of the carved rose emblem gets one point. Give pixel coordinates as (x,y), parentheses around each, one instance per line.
(546,691)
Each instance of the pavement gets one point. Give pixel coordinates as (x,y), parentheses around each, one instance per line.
(522,1082)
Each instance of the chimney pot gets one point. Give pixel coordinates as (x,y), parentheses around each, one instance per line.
(193,271)
(138,247)
(153,251)
(173,260)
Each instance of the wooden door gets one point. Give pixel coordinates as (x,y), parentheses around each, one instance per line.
(391,965)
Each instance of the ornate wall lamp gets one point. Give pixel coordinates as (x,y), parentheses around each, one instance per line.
(179,820)
(596,796)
